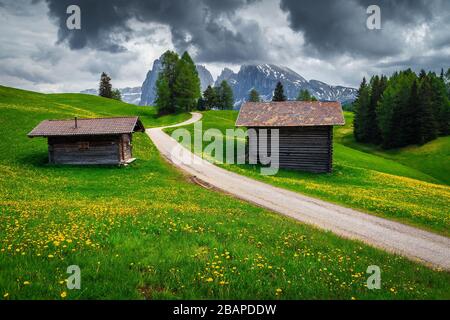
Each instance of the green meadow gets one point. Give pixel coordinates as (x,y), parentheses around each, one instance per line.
(145,231)
(407,185)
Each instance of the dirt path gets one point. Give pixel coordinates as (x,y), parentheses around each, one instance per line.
(392,236)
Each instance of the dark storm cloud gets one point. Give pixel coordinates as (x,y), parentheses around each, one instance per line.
(198,24)
(339,26)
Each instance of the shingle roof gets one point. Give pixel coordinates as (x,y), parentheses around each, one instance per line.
(290,114)
(93,126)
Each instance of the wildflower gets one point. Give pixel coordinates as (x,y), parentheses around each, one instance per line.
(209,280)
(26,283)
(63,294)
(6,295)
(50,256)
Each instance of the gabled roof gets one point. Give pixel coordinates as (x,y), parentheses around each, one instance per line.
(290,114)
(86,127)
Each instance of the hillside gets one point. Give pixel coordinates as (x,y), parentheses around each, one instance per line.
(363,180)
(146,232)
(432,158)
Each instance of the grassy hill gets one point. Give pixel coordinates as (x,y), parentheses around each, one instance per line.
(390,185)
(146,232)
(432,158)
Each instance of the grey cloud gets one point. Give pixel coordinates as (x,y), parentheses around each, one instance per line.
(105,26)
(337,27)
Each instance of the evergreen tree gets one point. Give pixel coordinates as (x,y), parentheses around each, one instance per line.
(278,94)
(428,127)
(304,95)
(371,129)
(116,95)
(201,104)
(411,123)
(165,93)
(105,88)
(187,84)
(225,99)
(254,96)
(447,82)
(210,98)
(440,102)
(361,106)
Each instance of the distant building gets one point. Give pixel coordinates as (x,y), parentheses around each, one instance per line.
(305,131)
(89,141)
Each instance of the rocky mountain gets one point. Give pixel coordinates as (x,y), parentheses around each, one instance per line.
(264,77)
(205,76)
(129,95)
(148,87)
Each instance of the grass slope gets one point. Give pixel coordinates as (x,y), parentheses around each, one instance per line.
(432,158)
(361,180)
(144,231)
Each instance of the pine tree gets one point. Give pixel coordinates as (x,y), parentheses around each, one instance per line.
(361,106)
(105,88)
(371,129)
(226,96)
(428,127)
(210,98)
(447,82)
(440,102)
(116,95)
(165,93)
(187,84)
(254,96)
(278,94)
(411,123)
(304,95)
(201,104)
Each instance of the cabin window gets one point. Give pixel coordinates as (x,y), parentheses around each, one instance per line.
(83,145)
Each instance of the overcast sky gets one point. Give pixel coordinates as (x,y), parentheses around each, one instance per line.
(323,40)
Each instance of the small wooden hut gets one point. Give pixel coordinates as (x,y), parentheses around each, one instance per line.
(305,131)
(89,141)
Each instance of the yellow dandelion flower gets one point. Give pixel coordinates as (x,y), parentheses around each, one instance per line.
(6,295)
(63,294)
(26,283)
(209,280)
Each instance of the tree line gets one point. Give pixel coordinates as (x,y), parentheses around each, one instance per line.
(402,110)
(178,87)
(278,95)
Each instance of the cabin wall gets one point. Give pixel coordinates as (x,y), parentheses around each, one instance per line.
(84,150)
(301,148)
(126,147)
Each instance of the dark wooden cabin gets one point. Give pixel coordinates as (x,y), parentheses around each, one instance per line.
(89,141)
(305,131)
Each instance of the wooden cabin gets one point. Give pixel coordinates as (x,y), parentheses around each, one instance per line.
(89,141)
(305,131)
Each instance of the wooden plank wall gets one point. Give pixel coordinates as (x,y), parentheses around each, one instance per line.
(72,150)
(302,148)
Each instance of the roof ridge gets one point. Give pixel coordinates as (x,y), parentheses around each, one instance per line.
(71,119)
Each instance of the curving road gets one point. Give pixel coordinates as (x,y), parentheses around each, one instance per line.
(416,244)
